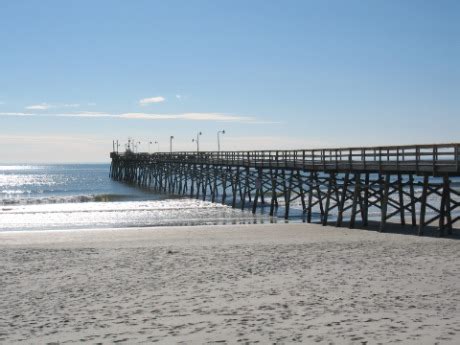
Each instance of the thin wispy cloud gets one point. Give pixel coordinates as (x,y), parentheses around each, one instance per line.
(151,100)
(46,106)
(41,106)
(216,117)
(186,116)
(17,114)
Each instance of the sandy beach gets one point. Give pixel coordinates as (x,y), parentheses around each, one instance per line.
(267,283)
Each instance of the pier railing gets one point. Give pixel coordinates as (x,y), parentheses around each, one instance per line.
(433,159)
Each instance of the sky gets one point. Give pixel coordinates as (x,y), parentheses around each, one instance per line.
(76,75)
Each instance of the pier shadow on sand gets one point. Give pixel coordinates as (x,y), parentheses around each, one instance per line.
(394,228)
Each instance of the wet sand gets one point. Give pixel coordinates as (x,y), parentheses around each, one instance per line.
(267,283)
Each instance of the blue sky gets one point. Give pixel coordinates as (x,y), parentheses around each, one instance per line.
(274,74)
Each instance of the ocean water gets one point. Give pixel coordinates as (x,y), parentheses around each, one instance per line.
(36,197)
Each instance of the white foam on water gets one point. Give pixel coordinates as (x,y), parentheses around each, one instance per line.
(119,214)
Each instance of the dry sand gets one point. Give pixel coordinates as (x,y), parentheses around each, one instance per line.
(228,284)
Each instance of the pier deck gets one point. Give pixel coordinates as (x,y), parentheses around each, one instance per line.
(398,181)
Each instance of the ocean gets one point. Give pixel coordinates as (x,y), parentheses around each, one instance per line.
(82,196)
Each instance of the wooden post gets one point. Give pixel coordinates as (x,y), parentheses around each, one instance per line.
(287,195)
(412,200)
(258,185)
(401,199)
(192,180)
(319,194)
(444,210)
(246,188)
(356,193)
(342,199)
(262,185)
(423,205)
(448,206)
(235,183)
(365,213)
(225,172)
(214,185)
(384,203)
(274,185)
(301,191)
(310,197)
(205,182)
(331,180)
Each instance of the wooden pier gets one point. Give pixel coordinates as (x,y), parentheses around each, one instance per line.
(407,184)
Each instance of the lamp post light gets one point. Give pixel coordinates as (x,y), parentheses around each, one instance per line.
(136,146)
(218,139)
(150,143)
(158,145)
(197,140)
(118,145)
(170,143)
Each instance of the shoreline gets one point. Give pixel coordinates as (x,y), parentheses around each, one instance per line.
(277,283)
(292,231)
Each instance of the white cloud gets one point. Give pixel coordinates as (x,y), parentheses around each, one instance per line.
(157,99)
(179,96)
(216,117)
(93,113)
(42,106)
(187,116)
(45,106)
(17,114)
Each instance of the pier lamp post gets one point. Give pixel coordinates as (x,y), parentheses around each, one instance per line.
(118,146)
(218,139)
(197,140)
(150,143)
(170,143)
(133,145)
(158,145)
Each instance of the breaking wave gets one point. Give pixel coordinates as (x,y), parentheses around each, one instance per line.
(17,200)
